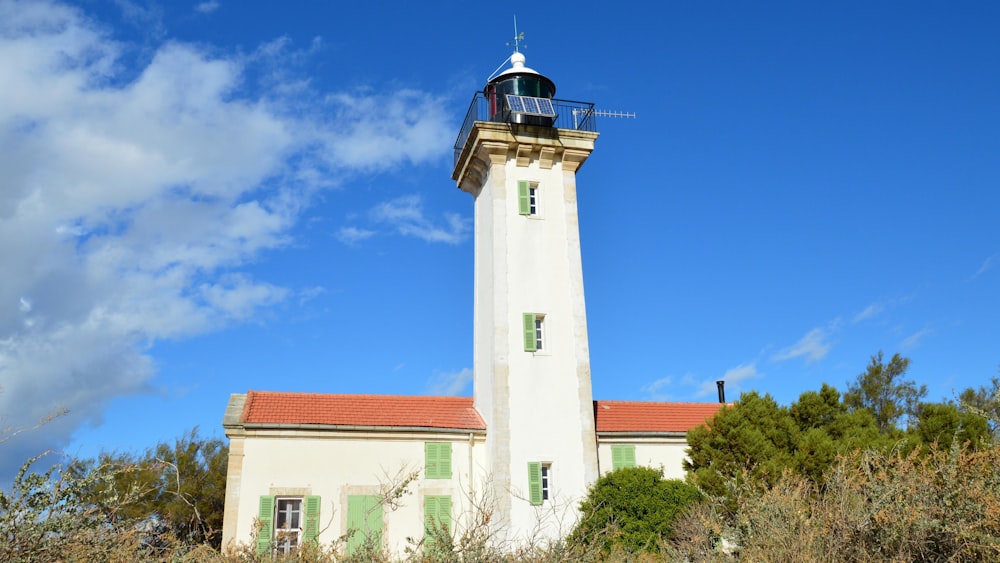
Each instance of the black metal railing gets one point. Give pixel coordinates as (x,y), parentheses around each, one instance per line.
(569,115)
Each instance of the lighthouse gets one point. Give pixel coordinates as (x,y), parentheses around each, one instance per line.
(313,468)
(518,154)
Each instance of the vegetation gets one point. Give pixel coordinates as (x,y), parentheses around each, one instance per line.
(939,505)
(177,487)
(876,474)
(632,510)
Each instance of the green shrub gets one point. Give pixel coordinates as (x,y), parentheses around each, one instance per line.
(632,510)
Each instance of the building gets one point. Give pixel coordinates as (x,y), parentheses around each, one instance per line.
(517,457)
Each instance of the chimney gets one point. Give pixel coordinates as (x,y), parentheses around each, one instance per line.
(721,384)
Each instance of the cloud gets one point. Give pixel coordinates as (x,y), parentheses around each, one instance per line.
(869,312)
(143,14)
(410,125)
(353,235)
(132,199)
(987,265)
(450,383)
(207,7)
(733,377)
(913,341)
(656,391)
(405,214)
(813,346)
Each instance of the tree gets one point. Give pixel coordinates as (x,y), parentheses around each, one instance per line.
(632,509)
(756,436)
(943,423)
(882,390)
(54,516)
(984,401)
(760,439)
(179,486)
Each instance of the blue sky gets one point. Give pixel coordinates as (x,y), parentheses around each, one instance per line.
(201,198)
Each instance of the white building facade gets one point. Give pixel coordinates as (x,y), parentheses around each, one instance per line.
(520,454)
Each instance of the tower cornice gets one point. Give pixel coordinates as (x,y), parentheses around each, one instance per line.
(492,143)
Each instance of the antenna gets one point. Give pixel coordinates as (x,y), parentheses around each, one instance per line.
(516,42)
(601,113)
(518,37)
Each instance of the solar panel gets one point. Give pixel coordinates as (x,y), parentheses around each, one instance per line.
(516,103)
(531,105)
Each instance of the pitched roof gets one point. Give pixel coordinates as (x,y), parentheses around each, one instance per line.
(639,416)
(409,411)
(266,407)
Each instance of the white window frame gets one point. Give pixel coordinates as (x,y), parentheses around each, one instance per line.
(539,332)
(546,481)
(283,535)
(534,200)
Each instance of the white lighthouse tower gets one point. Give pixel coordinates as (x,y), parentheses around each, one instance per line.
(518,154)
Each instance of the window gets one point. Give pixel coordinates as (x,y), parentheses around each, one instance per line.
(527,197)
(539,482)
(546,472)
(364,522)
(437,517)
(622,455)
(287,522)
(437,460)
(534,324)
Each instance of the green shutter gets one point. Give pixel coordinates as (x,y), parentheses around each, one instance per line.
(523,197)
(535,482)
(437,516)
(630,456)
(364,521)
(622,456)
(529,332)
(265,515)
(310,531)
(437,460)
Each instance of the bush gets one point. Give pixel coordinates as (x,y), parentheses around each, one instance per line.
(937,505)
(632,510)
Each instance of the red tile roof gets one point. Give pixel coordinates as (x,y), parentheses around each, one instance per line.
(397,411)
(266,407)
(638,416)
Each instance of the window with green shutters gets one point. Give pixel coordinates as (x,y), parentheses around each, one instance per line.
(527,198)
(310,532)
(265,515)
(364,522)
(437,517)
(622,456)
(532,323)
(283,526)
(437,460)
(539,482)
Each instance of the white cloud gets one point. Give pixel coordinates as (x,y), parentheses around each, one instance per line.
(987,265)
(131,199)
(450,383)
(733,377)
(410,125)
(406,215)
(813,347)
(354,235)
(207,7)
(658,390)
(869,312)
(913,341)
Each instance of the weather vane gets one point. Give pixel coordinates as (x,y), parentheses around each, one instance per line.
(518,38)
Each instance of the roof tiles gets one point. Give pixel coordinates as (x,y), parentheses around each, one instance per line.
(638,416)
(408,411)
(265,407)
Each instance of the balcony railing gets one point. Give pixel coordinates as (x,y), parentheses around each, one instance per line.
(569,115)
